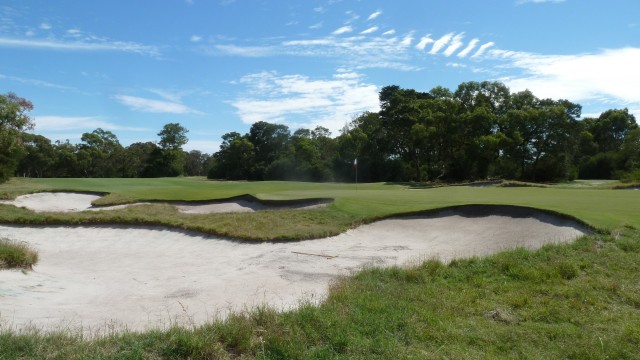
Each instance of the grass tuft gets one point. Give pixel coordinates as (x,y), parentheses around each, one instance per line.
(15,254)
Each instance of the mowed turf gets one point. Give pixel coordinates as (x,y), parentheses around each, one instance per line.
(600,208)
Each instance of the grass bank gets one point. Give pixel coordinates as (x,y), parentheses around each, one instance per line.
(579,300)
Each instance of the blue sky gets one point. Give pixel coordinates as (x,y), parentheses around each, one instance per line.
(218,66)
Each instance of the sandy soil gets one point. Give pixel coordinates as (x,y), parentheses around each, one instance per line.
(70,202)
(96,279)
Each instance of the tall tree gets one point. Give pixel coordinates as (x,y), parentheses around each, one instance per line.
(14,119)
(172,137)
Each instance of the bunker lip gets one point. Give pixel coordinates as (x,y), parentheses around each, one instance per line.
(138,278)
(65,201)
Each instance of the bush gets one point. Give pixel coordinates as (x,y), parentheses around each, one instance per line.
(14,254)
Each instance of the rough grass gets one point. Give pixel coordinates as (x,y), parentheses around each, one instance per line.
(15,254)
(579,301)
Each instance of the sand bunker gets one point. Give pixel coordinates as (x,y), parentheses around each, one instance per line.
(71,202)
(101,278)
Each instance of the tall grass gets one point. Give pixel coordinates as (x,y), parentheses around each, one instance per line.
(15,254)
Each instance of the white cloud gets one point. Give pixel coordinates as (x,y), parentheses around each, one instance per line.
(389,32)
(35,82)
(45,26)
(316,25)
(195,38)
(154,106)
(610,76)
(343,30)
(246,51)
(374,15)
(424,41)
(206,146)
(467,50)
(370,30)
(92,44)
(65,123)
(298,101)
(456,43)
(482,49)
(406,42)
(440,43)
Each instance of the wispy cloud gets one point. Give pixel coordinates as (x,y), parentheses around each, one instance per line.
(374,15)
(88,44)
(359,52)
(45,26)
(482,49)
(343,30)
(35,82)
(389,32)
(282,98)
(195,38)
(66,123)
(154,106)
(316,25)
(440,43)
(370,30)
(455,44)
(424,41)
(472,44)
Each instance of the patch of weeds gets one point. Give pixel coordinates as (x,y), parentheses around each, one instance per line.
(15,254)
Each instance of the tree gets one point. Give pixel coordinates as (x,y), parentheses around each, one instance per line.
(14,119)
(101,154)
(269,142)
(234,160)
(39,159)
(172,137)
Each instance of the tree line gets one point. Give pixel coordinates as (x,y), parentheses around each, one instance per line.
(479,131)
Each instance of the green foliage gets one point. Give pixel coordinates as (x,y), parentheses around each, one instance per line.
(13,121)
(16,255)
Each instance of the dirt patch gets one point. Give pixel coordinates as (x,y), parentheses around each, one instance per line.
(101,278)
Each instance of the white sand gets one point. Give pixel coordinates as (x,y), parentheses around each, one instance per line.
(104,278)
(72,202)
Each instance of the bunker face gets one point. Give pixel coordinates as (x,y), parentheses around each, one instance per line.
(114,277)
(72,202)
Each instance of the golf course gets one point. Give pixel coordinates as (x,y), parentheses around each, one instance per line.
(194,268)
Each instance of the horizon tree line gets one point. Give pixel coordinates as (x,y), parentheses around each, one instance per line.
(479,131)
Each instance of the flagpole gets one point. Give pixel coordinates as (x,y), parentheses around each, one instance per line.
(355,162)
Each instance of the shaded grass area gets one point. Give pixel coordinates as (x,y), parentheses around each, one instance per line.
(15,254)
(578,300)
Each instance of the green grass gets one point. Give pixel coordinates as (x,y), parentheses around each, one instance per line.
(574,301)
(600,208)
(16,255)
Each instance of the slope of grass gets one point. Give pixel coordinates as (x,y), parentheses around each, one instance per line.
(579,300)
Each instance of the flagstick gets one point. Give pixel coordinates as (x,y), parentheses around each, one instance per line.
(356,164)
